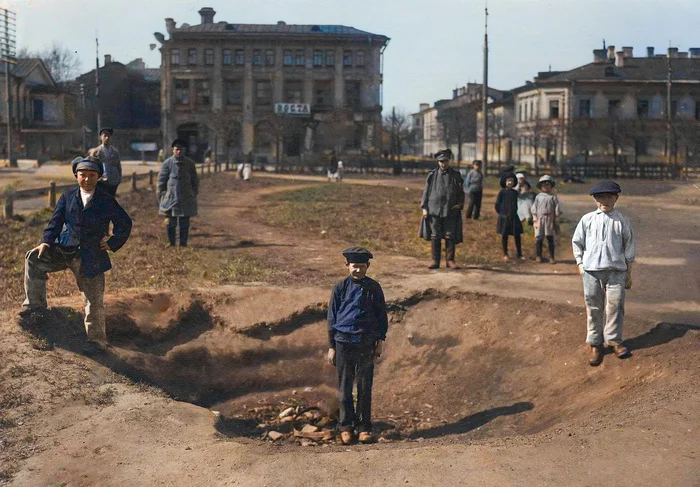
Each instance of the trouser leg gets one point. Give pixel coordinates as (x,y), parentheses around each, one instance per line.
(615,306)
(450,247)
(435,245)
(518,245)
(92,290)
(594,295)
(550,244)
(346,364)
(172,224)
(36,274)
(470,206)
(365,378)
(184,230)
(477,204)
(504,244)
(539,244)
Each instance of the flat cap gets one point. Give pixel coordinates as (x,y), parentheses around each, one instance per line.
(87,164)
(545,179)
(443,155)
(605,186)
(107,130)
(357,255)
(179,143)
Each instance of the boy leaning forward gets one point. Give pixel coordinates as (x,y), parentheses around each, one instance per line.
(604,248)
(357,326)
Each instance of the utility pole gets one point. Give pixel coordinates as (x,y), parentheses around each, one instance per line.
(97,84)
(7,48)
(485,90)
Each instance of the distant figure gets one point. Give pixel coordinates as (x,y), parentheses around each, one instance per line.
(339,172)
(508,221)
(332,167)
(545,212)
(161,156)
(474,189)
(178,187)
(109,156)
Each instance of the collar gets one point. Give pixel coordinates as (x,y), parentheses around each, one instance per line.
(91,193)
(598,211)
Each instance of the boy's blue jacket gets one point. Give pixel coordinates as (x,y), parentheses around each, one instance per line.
(356,309)
(73,227)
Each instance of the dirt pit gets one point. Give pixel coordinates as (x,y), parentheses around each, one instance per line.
(454,364)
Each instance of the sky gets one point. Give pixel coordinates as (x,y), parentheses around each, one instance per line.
(436,45)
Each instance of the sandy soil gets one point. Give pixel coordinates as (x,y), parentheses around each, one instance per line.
(484,380)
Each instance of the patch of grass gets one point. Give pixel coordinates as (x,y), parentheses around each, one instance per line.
(104,396)
(13,396)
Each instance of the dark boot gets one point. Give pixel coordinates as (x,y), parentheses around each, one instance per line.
(450,255)
(184,234)
(171,235)
(436,250)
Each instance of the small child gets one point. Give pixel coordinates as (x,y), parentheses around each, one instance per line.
(525,199)
(508,221)
(604,248)
(545,211)
(357,326)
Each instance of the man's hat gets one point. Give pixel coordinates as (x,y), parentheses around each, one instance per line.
(179,143)
(443,155)
(87,164)
(357,255)
(107,130)
(506,176)
(545,179)
(605,186)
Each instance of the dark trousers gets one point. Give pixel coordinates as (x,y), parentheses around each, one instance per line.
(109,188)
(518,244)
(355,361)
(550,244)
(474,206)
(184,224)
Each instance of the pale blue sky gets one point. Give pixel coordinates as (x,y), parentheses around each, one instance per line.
(435,45)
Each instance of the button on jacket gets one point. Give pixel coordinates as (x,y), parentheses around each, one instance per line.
(356,309)
(604,241)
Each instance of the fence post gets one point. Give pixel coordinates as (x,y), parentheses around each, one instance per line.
(227,165)
(52,195)
(8,210)
(133,181)
(150,178)
(209,168)
(202,169)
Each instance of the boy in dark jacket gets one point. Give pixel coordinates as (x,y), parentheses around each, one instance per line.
(442,203)
(357,326)
(77,238)
(508,220)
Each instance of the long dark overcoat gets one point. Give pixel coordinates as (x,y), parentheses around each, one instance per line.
(507,208)
(178,187)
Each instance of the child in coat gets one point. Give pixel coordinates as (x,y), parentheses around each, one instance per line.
(508,220)
(545,212)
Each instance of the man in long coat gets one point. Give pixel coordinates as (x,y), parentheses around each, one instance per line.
(442,203)
(178,187)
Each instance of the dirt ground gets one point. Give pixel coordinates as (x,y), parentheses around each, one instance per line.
(483,382)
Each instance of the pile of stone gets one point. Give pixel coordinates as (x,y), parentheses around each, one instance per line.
(303,425)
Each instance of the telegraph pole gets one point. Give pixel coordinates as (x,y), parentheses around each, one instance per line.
(97,84)
(7,53)
(485,90)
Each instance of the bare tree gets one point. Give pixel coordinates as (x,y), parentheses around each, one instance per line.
(335,132)
(227,128)
(459,123)
(398,128)
(62,63)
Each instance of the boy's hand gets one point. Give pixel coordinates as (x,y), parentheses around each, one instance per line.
(378,349)
(536,224)
(331,356)
(425,212)
(103,243)
(457,207)
(580,269)
(628,283)
(40,248)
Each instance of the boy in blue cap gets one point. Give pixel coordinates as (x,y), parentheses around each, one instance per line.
(357,326)
(77,238)
(604,248)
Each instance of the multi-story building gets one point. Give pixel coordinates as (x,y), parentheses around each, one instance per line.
(221,81)
(429,133)
(615,109)
(501,131)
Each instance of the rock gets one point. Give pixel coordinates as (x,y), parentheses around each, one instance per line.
(286,412)
(274,435)
(307,442)
(287,419)
(309,428)
(325,421)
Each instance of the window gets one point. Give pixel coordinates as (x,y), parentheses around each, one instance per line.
(201,87)
(192,56)
(347,58)
(175,56)
(288,58)
(182,92)
(553,108)
(38,109)
(269,57)
(234,92)
(257,57)
(613,108)
(240,57)
(330,58)
(532,110)
(353,94)
(584,108)
(318,58)
(520,113)
(300,58)
(360,58)
(323,93)
(226,57)
(641,146)
(263,93)
(209,57)
(293,90)
(643,108)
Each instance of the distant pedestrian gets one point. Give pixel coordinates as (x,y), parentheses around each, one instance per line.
(339,172)
(604,249)
(78,238)
(508,220)
(332,167)
(178,187)
(546,211)
(357,326)
(442,203)
(109,156)
(474,189)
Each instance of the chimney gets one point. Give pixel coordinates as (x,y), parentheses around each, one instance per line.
(672,52)
(694,52)
(108,59)
(599,56)
(650,51)
(628,52)
(207,14)
(620,60)
(170,25)
(611,54)
(424,106)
